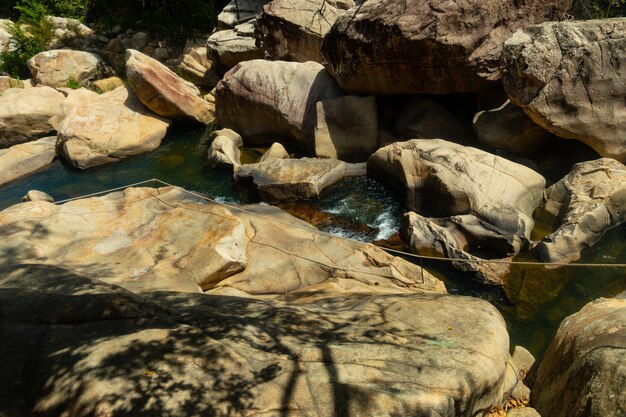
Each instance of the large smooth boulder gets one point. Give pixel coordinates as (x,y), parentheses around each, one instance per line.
(569,78)
(26,158)
(167,239)
(25,113)
(508,127)
(588,201)
(164,92)
(295,179)
(232,46)
(59,67)
(75,345)
(294,29)
(445,179)
(264,99)
(583,372)
(95,129)
(388,47)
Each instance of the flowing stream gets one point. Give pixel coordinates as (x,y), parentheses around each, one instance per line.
(534,303)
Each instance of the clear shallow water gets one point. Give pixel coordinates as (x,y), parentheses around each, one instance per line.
(536,299)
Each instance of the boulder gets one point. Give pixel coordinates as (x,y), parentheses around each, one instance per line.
(95,129)
(6,26)
(26,158)
(7,82)
(445,179)
(386,47)
(262,99)
(588,201)
(421,117)
(232,46)
(68,32)
(507,127)
(568,77)
(239,11)
(24,113)
(61,67)
(295,179)
(195,65)
(225,149)
(108,84)
(76,343)
(293,30)
(276,151)
(36,195)
(164,92)
(168,239)
(583,372)
(523,412)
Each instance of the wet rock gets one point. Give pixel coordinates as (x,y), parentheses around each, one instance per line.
(590,200)
(293,30)
(26,158)
(583,370)
(387,47)
(263,99)
(567,77)
(289,179)
(95,129)
(507,127)
(196,67)
(232,46)
(239,11)
(36,195)
(164,92)
(444,179)
(225,149)
(58,68)
(24,113)
(276,151)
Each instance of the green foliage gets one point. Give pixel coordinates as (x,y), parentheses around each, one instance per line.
(602,9)
(31,34)
(73,84)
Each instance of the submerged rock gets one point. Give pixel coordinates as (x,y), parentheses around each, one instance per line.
(387,47)
(294,29)
(74,342)
(164,92)
(443,179)
(293,179)
(24,159)
(60,67)
(588,201)
(95,129)
(25,113)
(583,372)
(568,77)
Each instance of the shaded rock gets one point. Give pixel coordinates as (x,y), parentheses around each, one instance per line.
(239,11)
(26,158)
(420,117)
(360,355)
(583,371)
(24,113)
(294,29)
(139,40)
(232,46)
(95,129)
(444,179)
(568,78)
(196,67)
(225,149)
(276,151)
(170,240)
(523,359)
(590,200)
(108,84)
(36,195)
(450,237)
(347,128)
(57,68)
(288,179)
(264,99)
(164,92)
(507,127)
(387,47)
